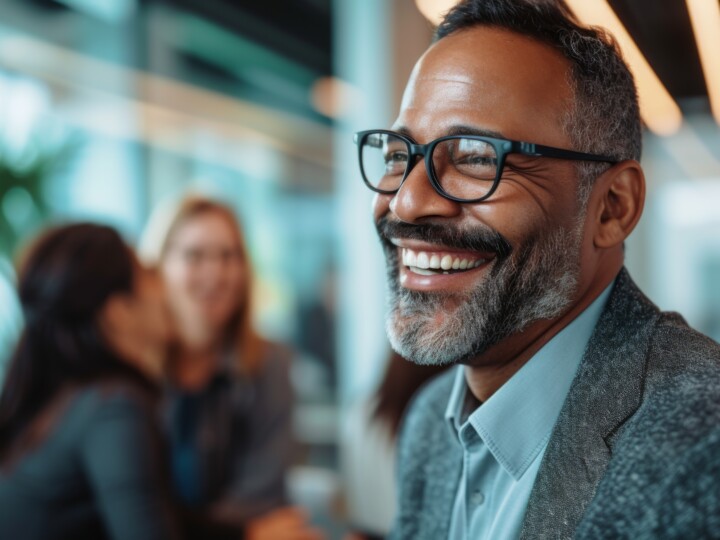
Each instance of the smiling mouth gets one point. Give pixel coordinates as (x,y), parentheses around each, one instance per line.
(435,263)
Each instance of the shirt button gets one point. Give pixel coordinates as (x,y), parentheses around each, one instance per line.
(477,498)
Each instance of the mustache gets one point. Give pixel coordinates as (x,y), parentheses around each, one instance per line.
(479,238)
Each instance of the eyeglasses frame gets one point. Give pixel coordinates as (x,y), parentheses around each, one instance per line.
(503,147)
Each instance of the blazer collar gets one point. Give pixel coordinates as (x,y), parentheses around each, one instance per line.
(605,393)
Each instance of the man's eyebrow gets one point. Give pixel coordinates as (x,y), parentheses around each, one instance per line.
(468,130)
(402,130)
(456,130)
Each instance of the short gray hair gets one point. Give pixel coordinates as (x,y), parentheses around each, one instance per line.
(605,117)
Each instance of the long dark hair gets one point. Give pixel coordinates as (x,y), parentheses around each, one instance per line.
(66,277)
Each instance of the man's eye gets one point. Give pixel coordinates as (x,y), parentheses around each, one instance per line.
(476,165)
(396,157)
(395,162)
(476,159)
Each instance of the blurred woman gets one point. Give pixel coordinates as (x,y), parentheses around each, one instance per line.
(229,400)
(79,451)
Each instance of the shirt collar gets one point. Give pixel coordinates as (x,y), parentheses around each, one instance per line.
(515,423)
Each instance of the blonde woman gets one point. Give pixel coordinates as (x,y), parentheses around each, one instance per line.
(229,398)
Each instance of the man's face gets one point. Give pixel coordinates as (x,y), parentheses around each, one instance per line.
(518,253)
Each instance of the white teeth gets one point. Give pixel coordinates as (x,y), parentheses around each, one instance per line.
(422,263)
(409,258)
(422,260)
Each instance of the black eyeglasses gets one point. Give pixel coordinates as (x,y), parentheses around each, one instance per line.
(462,168)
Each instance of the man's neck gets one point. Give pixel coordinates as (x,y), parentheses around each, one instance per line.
(486,373)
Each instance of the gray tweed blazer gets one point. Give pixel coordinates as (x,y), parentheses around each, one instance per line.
(635,452)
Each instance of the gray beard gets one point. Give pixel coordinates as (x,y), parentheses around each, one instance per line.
(536,283)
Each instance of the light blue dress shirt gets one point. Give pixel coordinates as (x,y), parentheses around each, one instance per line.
(504,439)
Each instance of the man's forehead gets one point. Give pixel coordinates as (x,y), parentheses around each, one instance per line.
(447,84)
(483,69)
(471,55)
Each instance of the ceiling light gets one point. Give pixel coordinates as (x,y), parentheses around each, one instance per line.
(657,108)
(334,97)
(435,10)
(705,19)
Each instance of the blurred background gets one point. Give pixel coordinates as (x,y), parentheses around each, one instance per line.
(110,107)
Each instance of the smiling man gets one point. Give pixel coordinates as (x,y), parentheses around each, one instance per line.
(505,191)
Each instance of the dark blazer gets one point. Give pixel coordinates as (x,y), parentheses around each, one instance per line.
(635,452)
(96,474)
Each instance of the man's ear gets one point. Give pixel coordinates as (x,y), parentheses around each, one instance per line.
(617,202)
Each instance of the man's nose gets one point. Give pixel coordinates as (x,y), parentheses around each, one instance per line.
(417,199)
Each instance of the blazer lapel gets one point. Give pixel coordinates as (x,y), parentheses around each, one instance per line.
(606,392)
(432,465)
(441,488)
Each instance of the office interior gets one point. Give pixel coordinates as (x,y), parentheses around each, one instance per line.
(109,108)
